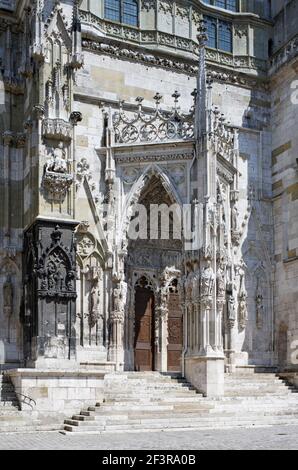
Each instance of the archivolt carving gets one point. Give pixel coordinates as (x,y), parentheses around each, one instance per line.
(134,195)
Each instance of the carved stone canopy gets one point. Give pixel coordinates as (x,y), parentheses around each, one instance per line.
(57,129)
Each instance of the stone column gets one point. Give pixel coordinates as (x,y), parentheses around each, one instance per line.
(163,329)
(116,346)
(116,350)
(205,369)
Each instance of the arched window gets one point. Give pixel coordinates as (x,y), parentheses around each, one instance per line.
(123,11)
(231,5)
(212,33)
(219,33)
(225,36)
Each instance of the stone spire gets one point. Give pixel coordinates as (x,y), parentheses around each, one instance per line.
(77,59)
(201,114)
(76,21)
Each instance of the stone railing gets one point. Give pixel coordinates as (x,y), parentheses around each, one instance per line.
(288,52)
(139,36)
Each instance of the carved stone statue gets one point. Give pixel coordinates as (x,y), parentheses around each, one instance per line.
(220,287)
(57,162)
(94,313)
(196,284)
(189,286)
(231,312)
(8,296)
(118,299)
(207,280)
(234,219)
(259,308)
(242,313)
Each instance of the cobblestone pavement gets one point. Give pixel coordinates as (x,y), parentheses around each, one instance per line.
(285,437)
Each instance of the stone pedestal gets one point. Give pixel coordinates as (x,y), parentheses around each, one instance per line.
(206,374)
(49,311)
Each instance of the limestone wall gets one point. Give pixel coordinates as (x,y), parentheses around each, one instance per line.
(285,203)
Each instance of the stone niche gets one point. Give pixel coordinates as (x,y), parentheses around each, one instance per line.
(50,295)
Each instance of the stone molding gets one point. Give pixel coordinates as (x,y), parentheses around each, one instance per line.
(188,66)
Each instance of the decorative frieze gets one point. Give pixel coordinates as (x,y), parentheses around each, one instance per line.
(160,126)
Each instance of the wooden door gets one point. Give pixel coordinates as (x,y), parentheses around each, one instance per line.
(175,332)
(144,329)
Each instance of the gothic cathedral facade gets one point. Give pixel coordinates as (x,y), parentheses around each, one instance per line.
(112,107)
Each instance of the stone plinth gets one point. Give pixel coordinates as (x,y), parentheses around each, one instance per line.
(57,393)
(206,374)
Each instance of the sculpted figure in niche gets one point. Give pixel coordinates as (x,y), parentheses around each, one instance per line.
(220,276)
(196,282)
(259,308)
(231,309)
(8,296)
(235,216)
(207,280)
(94,302)
(57,163)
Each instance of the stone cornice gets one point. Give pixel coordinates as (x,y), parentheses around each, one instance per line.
(136,53)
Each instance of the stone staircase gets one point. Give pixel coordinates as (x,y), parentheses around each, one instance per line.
(135,402)
(8,398)
(12,419)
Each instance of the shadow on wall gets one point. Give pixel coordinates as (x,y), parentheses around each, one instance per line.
(257,248)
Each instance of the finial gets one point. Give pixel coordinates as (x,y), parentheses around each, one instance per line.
(176,95)
(76,22)
(157,98)
(202,33)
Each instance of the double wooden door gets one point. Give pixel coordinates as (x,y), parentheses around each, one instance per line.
(144,329)
(175,333)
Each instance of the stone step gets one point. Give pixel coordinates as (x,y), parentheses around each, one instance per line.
(182,424)
(4,404)
(166,417)
(140,401)
(151,393)
(157,399)
(157,387)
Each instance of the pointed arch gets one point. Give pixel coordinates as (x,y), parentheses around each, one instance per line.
(136,190)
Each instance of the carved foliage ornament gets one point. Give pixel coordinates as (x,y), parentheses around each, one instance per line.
(148,4)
